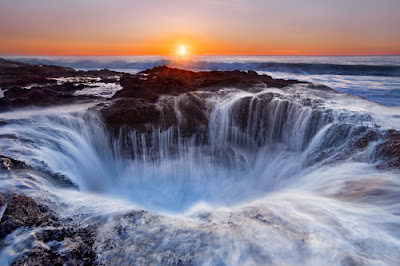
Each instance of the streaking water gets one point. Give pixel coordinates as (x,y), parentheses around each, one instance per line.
(376,78)
(276,181)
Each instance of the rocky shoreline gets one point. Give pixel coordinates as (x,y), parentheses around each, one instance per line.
(143,105)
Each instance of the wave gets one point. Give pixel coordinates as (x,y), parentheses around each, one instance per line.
(284,67)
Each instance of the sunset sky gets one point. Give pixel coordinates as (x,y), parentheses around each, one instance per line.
(207,27)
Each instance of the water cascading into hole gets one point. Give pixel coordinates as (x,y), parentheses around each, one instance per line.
(253,143)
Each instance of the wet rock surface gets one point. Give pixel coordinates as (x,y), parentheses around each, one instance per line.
(64,246)
(161,99)
(2,201)
(389,149)
(9,163)
(41,81)
(21,74)
(152,83)
(39,256)
(136,105)
(21,211)
(135,113)
(56,242)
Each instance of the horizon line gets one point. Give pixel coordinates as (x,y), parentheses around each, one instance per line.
(396,54)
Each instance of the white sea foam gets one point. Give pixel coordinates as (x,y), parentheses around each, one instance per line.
(277,182)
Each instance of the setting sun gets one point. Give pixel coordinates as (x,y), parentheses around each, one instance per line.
(182,51)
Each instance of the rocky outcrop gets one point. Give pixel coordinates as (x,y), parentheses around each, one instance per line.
(21,211)
(59,244)
(139,114)
(14,76)
(21,74)
(136,106)
(389,150)
(152,83)
(9,163)
(69,246)
(17,97)
(39,256)
(2,201)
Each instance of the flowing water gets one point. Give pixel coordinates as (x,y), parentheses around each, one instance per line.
(275,177)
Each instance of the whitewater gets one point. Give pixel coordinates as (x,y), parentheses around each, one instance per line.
(275,178)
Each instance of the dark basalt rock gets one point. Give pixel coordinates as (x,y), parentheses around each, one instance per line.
(75,245)
(135,105)
(365,140)
(21,211)
(2,201)
(145,116)
(152,83)
(193,116)
(9,163)
(17,97)
(38,257)
(15,75)
(390,150)
(21,74)
(134,113)
(68,246)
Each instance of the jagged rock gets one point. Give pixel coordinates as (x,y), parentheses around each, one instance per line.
(16,97)
(152,83)
(193,115)
(21,74)
(134,113)
(73,246)
(10,163)
(2,200)
(135,106)
(390,150)
(365,140)
(21,211)
(38,257)
(68,245)
(15,75)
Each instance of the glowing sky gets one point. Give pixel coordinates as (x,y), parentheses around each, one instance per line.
(159,27)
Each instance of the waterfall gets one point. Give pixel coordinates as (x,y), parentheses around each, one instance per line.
(276,176)
(252,144)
